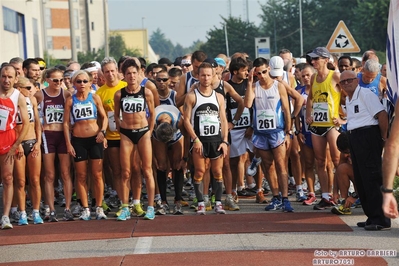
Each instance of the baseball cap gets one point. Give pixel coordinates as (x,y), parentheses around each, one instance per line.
(97,64)
(211,61)
(320,52)
(220,61)
(276,66)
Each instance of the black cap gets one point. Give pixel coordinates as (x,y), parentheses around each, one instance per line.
(177,61)
(165,61)
(211,61)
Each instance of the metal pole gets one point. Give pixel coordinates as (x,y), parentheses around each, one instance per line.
(247,9)
(74,55)
(144,38)
(275,34)
(300,26)
(106,41)
(227,40)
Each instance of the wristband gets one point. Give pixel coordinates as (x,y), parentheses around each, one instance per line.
(386,190)
(196,140)
(225,142)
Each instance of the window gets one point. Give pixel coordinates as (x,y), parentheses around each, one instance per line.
(92,26)
(10,20)
(47,18)
(76,18)
(49,42)
(77,42)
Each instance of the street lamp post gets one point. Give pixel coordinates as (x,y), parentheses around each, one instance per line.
(144,38)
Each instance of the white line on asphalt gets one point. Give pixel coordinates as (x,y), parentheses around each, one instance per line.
(143,245)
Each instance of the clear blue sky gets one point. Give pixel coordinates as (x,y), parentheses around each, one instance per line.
(182,21)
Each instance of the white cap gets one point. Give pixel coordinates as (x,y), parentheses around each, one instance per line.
(276,66)
(97,64)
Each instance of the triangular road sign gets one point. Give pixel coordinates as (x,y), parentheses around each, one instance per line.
(342,41)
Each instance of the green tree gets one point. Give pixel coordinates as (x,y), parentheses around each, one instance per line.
(89,56)
(240,34)
(371,20)
(117,47)
(162,46)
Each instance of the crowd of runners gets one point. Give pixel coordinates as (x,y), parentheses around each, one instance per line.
(120,134)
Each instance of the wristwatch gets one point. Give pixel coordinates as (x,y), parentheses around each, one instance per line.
(234,122)
(354,195)
(104,132)
(386,190)
(297,132)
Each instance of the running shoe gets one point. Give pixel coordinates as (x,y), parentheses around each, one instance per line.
(194,204)
(246,193)
(138,210)
(201,208)
(274,205)
(208,206)
(252,168)
(53,217)
(68,216)
(14,217)
(260,198)
(184,203)
(357,204)
(5,222)
(213,200)
(105,207)
(118,212)
(219,208)
(150,215)
(124,214)
(300,196)
(100,215)
(230,205)
(287,206)
(77,210)
(341,210)
(36,218)
(323,204)
(177,210)
(235,196)
(162,209)
(311,200)
(85,216)
(23,219)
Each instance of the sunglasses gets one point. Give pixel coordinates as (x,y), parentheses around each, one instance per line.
(262,72)
(27,87)
(162,79)
(347,81)
(186,65)
(56,80)
(42,68)
(79,81)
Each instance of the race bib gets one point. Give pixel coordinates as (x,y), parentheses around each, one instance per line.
(320,113)
(3,119)
(30,115)
(83,111)
(54,116)
(266,119)
(209,125)
(133,105)
(111,120)
(245,119)
(303,114)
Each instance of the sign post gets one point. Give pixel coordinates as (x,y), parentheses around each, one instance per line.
(262,47)
(342,41)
